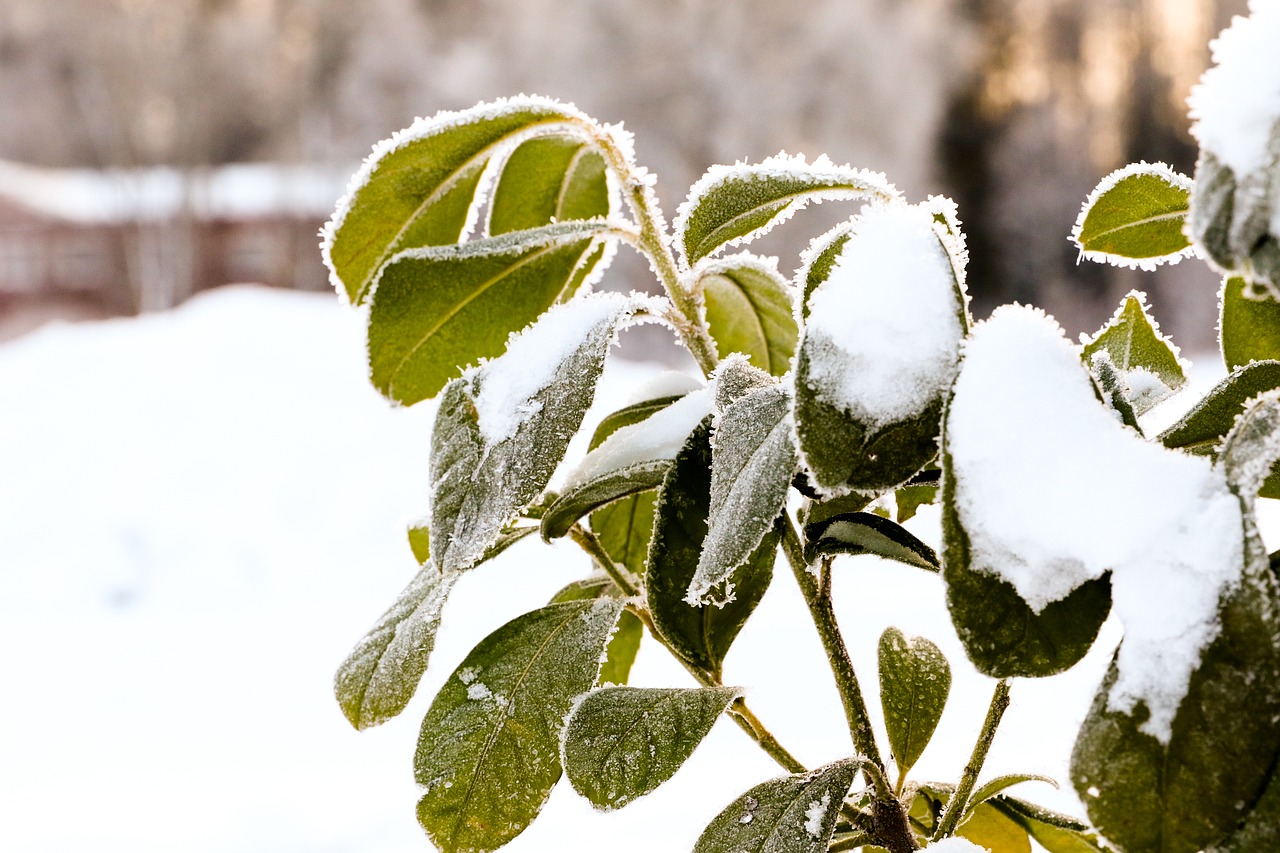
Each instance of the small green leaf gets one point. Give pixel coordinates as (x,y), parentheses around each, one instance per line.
(700,635)
(909,499)
(989,789)
(584,497)
(867,533)
(749,311)
(420,541)
(991,829)
(792,814)
(1056,833)
(1135,217)
(622,650)
(381,674)
(915,680)
(629,416)
(818,510)
(419,187)
(752,462)
(488,753)
(549,179)
(735,204)
(621,743)
(1146,359)
(1250,326)
(436,310)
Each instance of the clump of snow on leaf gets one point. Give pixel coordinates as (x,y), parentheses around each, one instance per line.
(1236,105)
(1095,497)
(815,813)
(956,844)
(884,329)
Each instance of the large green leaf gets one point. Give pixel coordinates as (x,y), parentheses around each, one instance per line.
(1202,428)
(549,179)
(749,311)
(379,677)
(700,635)
(621,743)
(1249,327)
(418,188)
(1135,217)
(734,204)
(1146,359)
(752,463)
(625,644)
(867,533)
(915,680)
(501,431)
(488,753)
(792,814)
(436,310)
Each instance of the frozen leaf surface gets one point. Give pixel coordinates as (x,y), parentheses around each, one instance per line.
(749,310)
(1148,362)
(915,680)
(549,179)
(620,656)
(1135,216)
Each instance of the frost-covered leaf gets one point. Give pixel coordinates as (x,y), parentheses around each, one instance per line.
(1147,360)
(879,351)
(1233,223)
(630,415)
(625,644)
(379,677)
(585,497)
(501,430)
(488,753)
(1261,830)
(1056,833)
(436,310)
(621,743)
(734,204)
(1135,217)
(753,458)
(992,787)
(915,680)
(1193,789)
(1249,327)
(419,187)
(1252,448)
(792,814)
(748,305)
(700,635)
(867,533)
(908,499)
(549,179)
(735,377)
(420,540)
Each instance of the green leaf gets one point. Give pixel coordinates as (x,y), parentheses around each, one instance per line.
(867,533)
(1252,448)
(989,789)
(489,750)
(485,469)
(752,463)
(1261,830)
(629,416)
(991,829)
(621,743)
(915,680)
(749,311)
(735,204)
(436,310)
(1056,833)
(420,541)
(419,187)
(1135,217)
(582,498)
(1202,428)
(622,650)
(624,529)
(1146,359)
(1249,327)
(381,674)
(818,510)
(549,179)
(1195,790)
(1233,219)
(819,259)
(908,499)
(792,814)
(700,635)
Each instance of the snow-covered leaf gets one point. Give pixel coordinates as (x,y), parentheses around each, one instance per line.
(791,814)
(1249,327)
(700,635)
(488,753)
(879,350)
(1147,361)
(867,533)
(1194,789)
(419,187)
(621,743)
(736,377)
(437,310)
(819,260)
(753,459)
(549,179)
(625,644)
(501,430)
(1252,447)
(915,680)
(734,204)
(749,310)
(379,677)
(1135,216)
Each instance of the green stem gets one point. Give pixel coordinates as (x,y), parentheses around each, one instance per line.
(588,542)
(956,806)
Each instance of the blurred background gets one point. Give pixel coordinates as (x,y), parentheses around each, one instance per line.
(150,149)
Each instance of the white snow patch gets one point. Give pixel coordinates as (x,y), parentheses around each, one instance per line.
(956,844)
(814,814)
(1236,105)
(1097,497)
(478,691)
(884,330)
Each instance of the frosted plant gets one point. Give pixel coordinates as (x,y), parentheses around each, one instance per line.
(830,406)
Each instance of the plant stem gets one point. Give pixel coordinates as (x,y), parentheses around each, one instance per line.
(588,542)
(955,809)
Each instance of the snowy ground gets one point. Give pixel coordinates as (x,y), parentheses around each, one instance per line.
(200,512)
